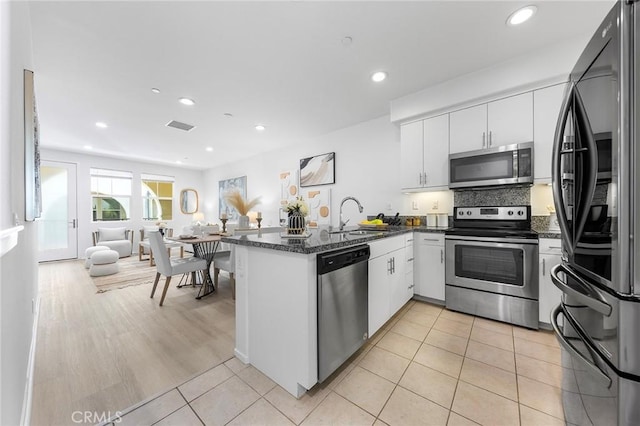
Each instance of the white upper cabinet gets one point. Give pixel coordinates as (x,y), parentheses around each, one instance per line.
(436,151)
(424,153)
(502,122)
(468,129)
(546,109)
(411,154)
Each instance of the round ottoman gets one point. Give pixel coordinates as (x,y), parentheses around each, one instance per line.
(104,262)
(89,252)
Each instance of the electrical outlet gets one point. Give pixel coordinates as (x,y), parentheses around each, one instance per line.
(435,205)
(414,205)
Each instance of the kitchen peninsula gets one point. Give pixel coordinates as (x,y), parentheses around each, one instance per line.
(276,298)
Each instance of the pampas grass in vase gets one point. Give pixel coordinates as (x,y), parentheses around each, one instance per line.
(235,199)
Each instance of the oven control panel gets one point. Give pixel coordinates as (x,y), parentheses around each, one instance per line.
(492,213)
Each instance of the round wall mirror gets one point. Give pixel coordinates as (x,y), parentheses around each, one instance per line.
(188,201)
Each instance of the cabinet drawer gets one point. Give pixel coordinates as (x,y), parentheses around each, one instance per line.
(386,245)
(550,246)
(430,239)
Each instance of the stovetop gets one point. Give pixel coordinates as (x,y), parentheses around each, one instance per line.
(493,222)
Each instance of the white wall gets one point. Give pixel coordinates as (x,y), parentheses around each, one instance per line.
(19,282)
(367,166)
(550,65)
(184,178)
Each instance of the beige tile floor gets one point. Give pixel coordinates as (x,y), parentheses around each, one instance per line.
(427,365)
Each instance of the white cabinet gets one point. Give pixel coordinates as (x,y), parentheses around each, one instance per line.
(429,265)
(546,109)
(550,254)
(388,288)
(502,122)
(424,153)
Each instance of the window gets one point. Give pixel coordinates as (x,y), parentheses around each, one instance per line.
(110,194)
(157,197)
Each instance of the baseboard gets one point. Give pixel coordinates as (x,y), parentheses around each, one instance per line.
(25,418)
(242,357)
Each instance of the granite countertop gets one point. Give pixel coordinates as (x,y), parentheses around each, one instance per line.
(321,240)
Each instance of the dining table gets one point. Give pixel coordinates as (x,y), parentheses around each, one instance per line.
(204,247)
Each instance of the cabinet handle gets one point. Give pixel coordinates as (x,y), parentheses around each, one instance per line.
(410,287)
(389,266)
(543,267)
(555,247)
(424,181)
(430,239)
(393,265)
(420,178)
(441,256)
(483,137)
(490,138)
(410,259)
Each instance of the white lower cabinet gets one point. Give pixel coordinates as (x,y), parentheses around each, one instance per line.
(429,265)
(550,254)
(387,280)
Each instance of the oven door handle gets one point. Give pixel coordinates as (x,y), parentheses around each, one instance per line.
(600,375)
(584,294)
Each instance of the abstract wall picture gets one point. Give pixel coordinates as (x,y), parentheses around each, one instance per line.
(318,170)
(224,186)
(319,201)
(33,196)
(288,186)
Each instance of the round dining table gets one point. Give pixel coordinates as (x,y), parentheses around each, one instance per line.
(204,247)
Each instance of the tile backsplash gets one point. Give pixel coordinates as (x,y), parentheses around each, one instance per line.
(508,196)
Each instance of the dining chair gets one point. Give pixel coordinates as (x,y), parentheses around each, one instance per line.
(170,267)
(225,260)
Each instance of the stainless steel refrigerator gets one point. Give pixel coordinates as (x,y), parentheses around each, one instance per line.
(597,196)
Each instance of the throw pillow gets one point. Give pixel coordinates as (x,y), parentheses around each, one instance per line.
(112,234)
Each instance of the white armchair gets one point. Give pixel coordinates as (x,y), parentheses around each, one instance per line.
(118,239)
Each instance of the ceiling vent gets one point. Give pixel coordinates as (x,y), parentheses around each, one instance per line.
(181,126)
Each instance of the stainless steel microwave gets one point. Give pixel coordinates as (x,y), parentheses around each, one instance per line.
(502,165)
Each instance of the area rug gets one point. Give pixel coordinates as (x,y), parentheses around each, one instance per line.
(132,272)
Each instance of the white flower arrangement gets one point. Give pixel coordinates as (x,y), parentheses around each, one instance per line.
(297,205)
(161,225)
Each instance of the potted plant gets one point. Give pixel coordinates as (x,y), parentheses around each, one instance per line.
(296,210)
(243,206)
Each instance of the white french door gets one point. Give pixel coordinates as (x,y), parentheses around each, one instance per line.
(58,225)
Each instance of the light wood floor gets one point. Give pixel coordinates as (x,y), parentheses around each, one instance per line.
(102,352)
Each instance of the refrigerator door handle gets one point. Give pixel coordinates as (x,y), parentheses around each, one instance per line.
(590,157)
(575,353)
(556,172)
(583,294)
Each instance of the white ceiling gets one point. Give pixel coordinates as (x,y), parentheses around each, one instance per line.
(281,64)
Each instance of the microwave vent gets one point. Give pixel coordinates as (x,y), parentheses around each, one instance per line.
(181,126)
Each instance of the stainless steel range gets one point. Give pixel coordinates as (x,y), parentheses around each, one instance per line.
(491,266)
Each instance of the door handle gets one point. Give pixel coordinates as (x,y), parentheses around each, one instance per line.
(73,223)
(583,293)
(591,367)
(556,171)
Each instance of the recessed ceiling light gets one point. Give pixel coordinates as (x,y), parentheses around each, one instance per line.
(155,90)
(101,125)
(186,101)
(209,149)
(378,76)
(260,127)
(521,15)
(88,147)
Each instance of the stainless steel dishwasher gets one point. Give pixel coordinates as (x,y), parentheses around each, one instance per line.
(343,314)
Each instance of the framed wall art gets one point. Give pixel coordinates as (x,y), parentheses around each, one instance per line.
(33,197)
(234,184)
(318,170)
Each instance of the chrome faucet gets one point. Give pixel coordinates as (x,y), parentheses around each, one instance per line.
(343,223)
